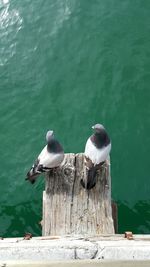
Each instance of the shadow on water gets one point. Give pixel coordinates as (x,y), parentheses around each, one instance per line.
(135,219)
(18,220)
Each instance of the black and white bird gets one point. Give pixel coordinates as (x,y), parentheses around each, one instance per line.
(50,157)
(97,150)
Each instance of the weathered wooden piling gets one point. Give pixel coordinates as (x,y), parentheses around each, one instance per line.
(68,208)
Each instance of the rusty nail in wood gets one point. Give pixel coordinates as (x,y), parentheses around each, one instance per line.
(28,236)
(128,235)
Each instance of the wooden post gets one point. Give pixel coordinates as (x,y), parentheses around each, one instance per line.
(68,208)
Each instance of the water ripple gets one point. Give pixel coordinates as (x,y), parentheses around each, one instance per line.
(10,24)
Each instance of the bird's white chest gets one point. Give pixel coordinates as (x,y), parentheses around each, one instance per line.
(50,160)
(96,155)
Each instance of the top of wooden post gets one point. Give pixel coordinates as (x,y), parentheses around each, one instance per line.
(68,208)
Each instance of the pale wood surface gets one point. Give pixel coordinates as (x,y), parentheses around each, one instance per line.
(68,208)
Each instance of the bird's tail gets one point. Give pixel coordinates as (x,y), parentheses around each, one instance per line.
(35,170)
(90,180)
(32,175)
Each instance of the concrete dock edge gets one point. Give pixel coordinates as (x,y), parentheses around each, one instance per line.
(76,263)
(99,248)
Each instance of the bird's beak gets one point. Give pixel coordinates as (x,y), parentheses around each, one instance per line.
(93,127)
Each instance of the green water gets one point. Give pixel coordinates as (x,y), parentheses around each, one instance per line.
(65,65)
